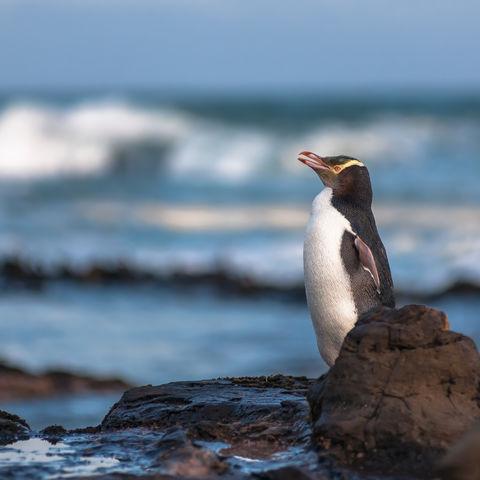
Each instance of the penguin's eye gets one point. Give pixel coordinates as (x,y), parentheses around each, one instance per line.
(337,169)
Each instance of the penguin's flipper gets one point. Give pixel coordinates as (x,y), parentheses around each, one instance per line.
(367,260)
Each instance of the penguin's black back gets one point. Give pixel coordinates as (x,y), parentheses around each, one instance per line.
(363,287)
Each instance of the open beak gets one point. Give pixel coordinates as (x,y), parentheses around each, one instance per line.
(313,160)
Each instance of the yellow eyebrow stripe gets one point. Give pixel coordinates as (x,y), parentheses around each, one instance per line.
(350,163)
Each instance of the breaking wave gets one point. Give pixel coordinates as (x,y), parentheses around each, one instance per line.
(91,138)
(41,141)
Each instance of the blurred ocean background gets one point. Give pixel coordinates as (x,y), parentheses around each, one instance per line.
(207,188)
(152,208)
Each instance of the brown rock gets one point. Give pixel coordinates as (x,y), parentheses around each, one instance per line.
(16,383)
(180,458)
(402,390)
(462,461)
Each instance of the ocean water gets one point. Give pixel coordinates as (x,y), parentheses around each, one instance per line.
(194,186)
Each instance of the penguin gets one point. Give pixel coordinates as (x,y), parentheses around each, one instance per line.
(346,267)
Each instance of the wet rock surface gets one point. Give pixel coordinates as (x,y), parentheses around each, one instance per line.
(225,428)
(217,426)
(16,383)
(403,389)
(12,428)
(271,411)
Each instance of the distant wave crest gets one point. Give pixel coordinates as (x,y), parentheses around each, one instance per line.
(40,141)
(94,137)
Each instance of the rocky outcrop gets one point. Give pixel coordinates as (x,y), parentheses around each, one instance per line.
(12,428)
(230,429)
(402,390)
(16,383)
(260,414)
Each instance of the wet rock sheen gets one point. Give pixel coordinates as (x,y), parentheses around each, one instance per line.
(12,428)
(271,411)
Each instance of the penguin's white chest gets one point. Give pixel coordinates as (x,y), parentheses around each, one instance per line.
(327,283)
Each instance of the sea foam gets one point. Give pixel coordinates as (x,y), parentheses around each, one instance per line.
(42,141)
(91,137)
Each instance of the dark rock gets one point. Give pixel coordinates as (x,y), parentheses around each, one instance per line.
(54,430)
(53,433)
(18,272)
(462,460)
(229,429)
(286,473)
(402,390)
(265,413)
(16,383)
(224,427)
(12,428)
(180,457)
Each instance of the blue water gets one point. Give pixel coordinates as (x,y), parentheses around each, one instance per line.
(200,185)
(150,335)
(147,335)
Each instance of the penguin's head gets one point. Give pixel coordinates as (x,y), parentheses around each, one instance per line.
(345,175)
